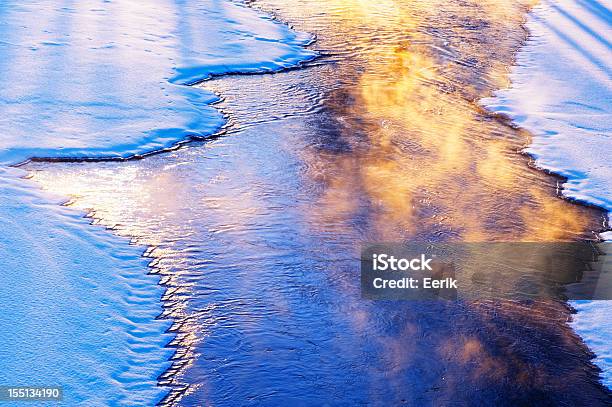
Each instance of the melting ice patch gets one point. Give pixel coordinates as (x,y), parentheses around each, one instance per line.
(101,78)
(562,92)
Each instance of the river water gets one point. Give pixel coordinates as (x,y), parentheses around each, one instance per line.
(256,233)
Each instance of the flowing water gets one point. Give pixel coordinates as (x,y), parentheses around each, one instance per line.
(256,233)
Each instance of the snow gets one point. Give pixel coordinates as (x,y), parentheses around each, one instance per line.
(593,323)
(102,78)
(562,92)
(78,307)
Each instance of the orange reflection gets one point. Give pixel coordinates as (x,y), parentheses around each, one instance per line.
(422,155)
(421,160)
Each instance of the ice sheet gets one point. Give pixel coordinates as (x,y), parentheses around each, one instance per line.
(101,78)
(78,307)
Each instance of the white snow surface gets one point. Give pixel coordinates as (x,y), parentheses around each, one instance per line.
(594,325)
(562,92)
(78,307)
(103,78)
(93,78)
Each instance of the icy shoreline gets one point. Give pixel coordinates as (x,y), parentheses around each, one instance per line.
(103,80)
(108,80)
(79,309)
(562,92)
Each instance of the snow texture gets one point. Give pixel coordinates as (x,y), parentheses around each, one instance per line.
(96,78)
(562,92)
(102,78)
(78,307)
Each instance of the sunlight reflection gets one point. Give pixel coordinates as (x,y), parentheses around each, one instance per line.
(430,159)
(410,156)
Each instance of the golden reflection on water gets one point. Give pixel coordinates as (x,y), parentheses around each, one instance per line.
(430,158)
(421,157)
(431,163)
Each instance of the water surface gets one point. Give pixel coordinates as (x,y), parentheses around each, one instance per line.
(256,233)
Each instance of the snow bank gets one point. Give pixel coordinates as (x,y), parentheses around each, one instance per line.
(95,78)
(99,78)
(78,307)
(562,92)
(594,324)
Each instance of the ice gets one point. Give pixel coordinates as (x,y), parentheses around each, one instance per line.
(562,92)
(98,79)
(78,307)
(593,323)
